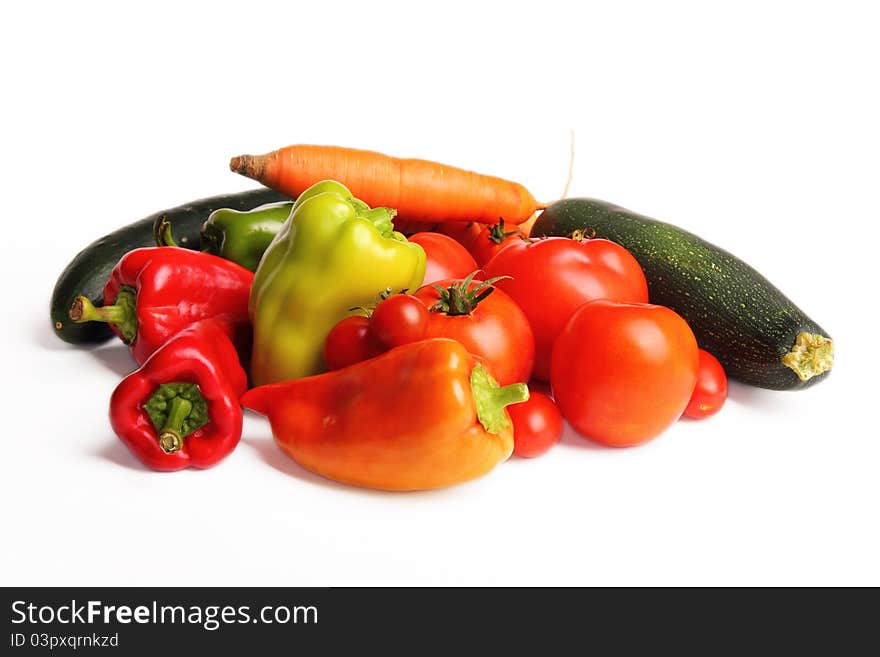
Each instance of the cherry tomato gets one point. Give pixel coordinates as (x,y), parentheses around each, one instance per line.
(537,425)
(399,319)
(711,390)
(492,239)
(622,373)
(553,276)
(349,342)
(493,327)
(446,257)
(463,232)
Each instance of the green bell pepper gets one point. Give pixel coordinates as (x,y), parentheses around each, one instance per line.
(333,254)
(243,237)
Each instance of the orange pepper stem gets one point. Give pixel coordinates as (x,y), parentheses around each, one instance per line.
(491,399)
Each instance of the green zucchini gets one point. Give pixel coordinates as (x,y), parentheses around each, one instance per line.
(759,336)
(90,268)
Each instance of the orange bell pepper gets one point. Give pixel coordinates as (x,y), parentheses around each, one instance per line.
(423,415)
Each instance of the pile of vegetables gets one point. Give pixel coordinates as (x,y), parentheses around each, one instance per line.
(386,315)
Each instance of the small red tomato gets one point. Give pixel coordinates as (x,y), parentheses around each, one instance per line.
(399,319)
(446,257)
(623,372)
(349,342)
(711,390)
(537,425)
(486,321)
(491,240)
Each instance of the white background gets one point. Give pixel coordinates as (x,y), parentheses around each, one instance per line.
(754,125)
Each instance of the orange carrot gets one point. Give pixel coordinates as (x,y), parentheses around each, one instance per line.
(420,190)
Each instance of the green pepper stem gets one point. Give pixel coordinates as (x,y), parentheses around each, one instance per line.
(170,436)
(122,313)
(381,218)
(162,232)
(491,399)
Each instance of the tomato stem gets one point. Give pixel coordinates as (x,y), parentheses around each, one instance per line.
(497,233)
(457,299)
(581,234)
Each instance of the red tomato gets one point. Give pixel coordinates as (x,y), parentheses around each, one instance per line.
(492,239)
(553,276)
(446,257)
(622,373)
(537,425)
(711,391)
(493,328)
(349,342)
(463,232)
(399,319)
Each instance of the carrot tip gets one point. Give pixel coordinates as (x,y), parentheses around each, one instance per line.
(246,165)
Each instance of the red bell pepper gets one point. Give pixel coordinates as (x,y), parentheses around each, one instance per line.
(181,407)
(158,291)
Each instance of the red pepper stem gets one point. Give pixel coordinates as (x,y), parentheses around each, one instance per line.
(83,310)
(170,439)
(122,313)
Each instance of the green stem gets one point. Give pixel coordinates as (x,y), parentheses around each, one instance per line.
(513,393)
(460,299)
(84,311)
(171,433)
(491,399)
(122,313)
(381,218)
(497,233)
(162,232)
(581,234)
(176,410)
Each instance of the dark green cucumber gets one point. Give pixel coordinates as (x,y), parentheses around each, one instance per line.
(759,336)
(90,268)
